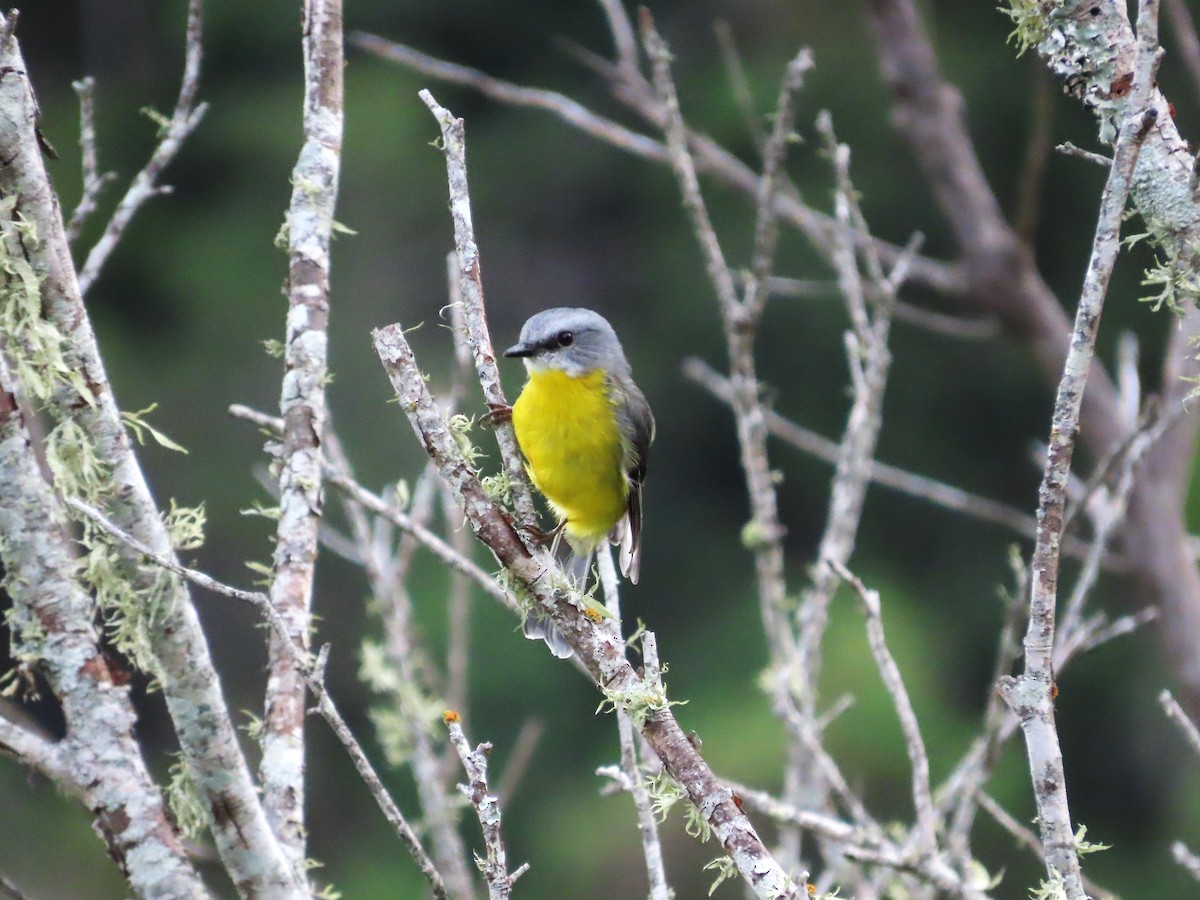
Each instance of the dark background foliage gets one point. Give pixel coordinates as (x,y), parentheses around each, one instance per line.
(185,302)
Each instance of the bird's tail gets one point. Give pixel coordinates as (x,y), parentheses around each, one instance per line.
(578,565)
(542,629)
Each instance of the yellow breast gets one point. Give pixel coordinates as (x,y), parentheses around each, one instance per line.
(568,433)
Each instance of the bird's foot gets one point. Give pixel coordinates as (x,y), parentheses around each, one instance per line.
(497,414)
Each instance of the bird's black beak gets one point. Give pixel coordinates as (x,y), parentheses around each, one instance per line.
(517,351)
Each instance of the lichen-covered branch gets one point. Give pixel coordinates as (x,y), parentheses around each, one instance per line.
(313,672)
(302,404)
(177,647)
(99,760)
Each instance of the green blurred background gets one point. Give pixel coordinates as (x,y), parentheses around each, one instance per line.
(194,288)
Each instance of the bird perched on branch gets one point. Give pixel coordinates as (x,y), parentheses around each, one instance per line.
(585,430)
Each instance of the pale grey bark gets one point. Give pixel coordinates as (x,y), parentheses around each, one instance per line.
(99,760)
(302,405)
(183,665)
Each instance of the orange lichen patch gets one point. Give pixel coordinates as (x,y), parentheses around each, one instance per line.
(594,614)
(449,716)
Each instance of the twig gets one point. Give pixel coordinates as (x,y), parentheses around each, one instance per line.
(302,403)
(1029,840)
(1031,694)
(1175,712)
(869,362)
(926,831)
(52,630)
(313,672)
(474,317)
(36,751)
(823,448)
(380,507)
(173,132)
(8,889)
(711,158)
(631,779)
(387,574)
(1069,149)
(1186,858)
(1184,28)
(487,809)
(93,180)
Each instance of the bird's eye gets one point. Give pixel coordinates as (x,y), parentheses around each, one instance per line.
(566,338)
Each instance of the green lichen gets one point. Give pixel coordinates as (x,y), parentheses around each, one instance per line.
(186,802)
(1030,21)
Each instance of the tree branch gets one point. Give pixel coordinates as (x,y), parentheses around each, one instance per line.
(310,230)
(1031,695)
(85,398)
(173,132)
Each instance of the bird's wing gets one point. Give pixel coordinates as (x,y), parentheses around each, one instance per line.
(636,424)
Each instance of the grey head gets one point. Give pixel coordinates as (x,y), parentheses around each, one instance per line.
(574,340)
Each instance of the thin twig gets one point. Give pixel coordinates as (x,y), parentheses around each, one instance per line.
(946,278)
(1186,858)
(1031,694)
(1175,712)
(381,507)
(1029,840)
(487,808)
(93,180)
(631,776)
(474,316)
(174,131)
(409,694)
(920,486)
(926,832)
(177,649)
(1069,149)
(312,670)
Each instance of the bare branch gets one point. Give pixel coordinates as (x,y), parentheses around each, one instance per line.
(302,403)
(1031,694)
(711,158)
(894,682)
(380,507)
(487,810)
(51,622)
(93,180)
(470,284)
(628,774)
(1175,712)
(173,132)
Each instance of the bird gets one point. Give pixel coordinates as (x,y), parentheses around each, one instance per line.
(584,428)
